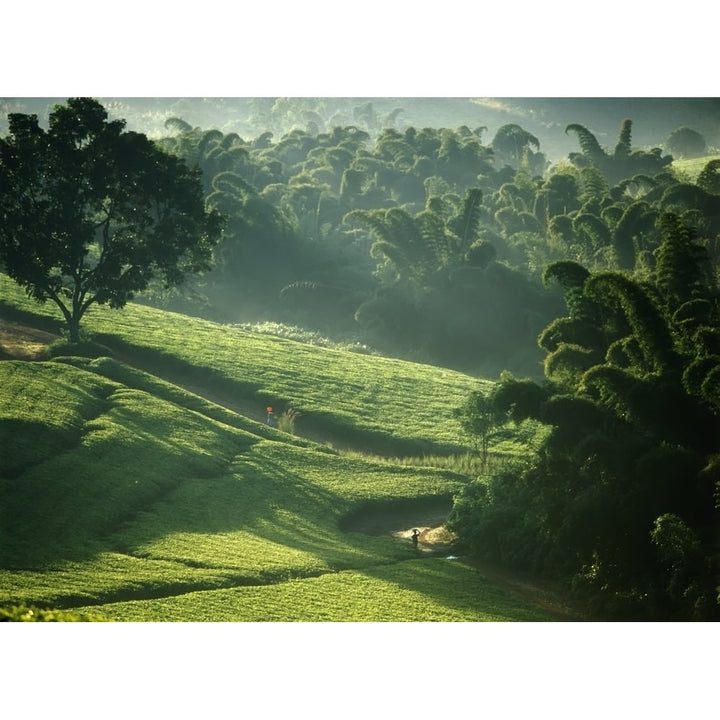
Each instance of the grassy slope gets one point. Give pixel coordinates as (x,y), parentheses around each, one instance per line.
(127,496)
(378,404)
(692,167)
(418,590)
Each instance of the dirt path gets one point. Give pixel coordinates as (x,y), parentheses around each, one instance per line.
(435,540)
(21,342)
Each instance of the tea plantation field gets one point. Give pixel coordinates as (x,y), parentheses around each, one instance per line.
(125,496)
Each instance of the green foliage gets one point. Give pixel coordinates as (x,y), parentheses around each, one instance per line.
(645,319)
(88,349)
(512,145)
(22,613)
(91,213)
(286,420)
(621,500)
(588,144)
(421,208)
(592,232)
(416,201)
(287,257)
(633,227)
(623,162)
(520,399)
(683,269)
(479,418)
(568,362)
(685,142)
(709,177)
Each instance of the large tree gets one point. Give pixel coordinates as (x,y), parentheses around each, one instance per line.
(91,213)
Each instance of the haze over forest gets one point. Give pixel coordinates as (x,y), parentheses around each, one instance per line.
(304,182)
(546,118)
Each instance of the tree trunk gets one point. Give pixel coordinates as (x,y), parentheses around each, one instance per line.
(72,319)
(73,324)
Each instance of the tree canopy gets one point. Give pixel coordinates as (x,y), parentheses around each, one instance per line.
(91,213)
(621,501)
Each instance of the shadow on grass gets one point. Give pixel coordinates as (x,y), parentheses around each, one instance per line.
(248,399)
(459,587)
(27,443)
(263,499)
(178,371)
(244,396)
(41,322)
(383,517)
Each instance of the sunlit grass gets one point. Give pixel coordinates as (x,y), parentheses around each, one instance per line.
(130,495)
(311,337)
(154,498)
(367,401)
(432,590)
(105,575)
(24,613)
(692,167)
(129,451)
(43,411)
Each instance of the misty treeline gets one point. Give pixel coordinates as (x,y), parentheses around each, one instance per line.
(392,241)
(427,243)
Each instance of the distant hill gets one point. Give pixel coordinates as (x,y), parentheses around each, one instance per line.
(653,118)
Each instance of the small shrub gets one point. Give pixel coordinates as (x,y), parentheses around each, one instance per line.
(86,348)
(286,421)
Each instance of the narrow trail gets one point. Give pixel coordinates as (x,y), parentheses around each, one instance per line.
(434,540)
(21,342)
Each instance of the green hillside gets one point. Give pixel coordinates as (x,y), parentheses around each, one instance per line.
(127,497)
(382,405)
(692,167)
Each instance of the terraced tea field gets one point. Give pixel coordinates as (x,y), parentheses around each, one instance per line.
(128,497)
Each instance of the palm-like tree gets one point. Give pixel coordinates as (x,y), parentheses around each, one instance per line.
(558,195)
(511,145)
(623,162)
(423,247)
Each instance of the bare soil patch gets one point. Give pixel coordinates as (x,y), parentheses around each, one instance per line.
(20,342)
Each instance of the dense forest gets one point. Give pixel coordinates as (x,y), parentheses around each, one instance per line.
(587,282)
(426,242)
(415,240)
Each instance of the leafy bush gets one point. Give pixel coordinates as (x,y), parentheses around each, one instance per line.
(84,348)
(629,449)
(286,421)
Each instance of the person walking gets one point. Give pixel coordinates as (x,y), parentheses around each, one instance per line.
(271,419)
